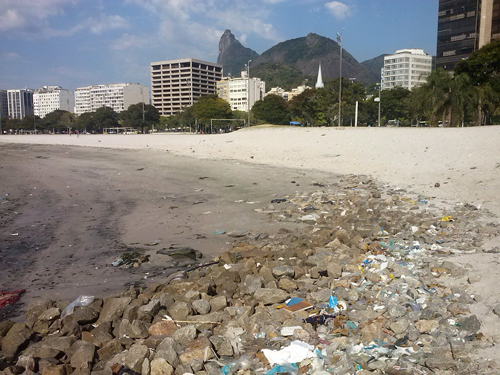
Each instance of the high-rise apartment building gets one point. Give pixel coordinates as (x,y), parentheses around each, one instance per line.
(4,107)
(51,98)
(241,92)
(118,96)
(463,27)
(20,103)
(406,68)
(176,84)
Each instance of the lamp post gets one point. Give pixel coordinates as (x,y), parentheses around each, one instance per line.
(248,91)
(339,39)
(379,91)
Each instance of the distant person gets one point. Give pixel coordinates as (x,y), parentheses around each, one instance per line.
(77,134)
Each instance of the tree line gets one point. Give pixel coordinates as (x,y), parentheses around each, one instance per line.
(60,121)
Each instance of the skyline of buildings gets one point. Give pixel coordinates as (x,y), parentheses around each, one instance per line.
(20,103)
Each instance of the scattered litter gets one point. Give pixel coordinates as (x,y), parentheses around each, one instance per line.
(80,301)
(6,298)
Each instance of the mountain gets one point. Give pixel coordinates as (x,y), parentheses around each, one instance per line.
(233,55)
(374,65)
(281,75)
(296,55)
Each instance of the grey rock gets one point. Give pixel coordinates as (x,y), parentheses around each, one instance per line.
(146,312)
(50,314)
(470,324)
(135,330)
(82,356)
(321,259)
(85,315)
(496,310)
(166,300)
(201,306)
(218,303)
(222,346)
(287,284)
(179,310)
(281,271)
(16,339)
(269,296)
(396,310)
(334,270)
(35,309)
(251,284)
(26,361)
(185,334)
(320,296)
(113,308)
(183,369)
(136,356)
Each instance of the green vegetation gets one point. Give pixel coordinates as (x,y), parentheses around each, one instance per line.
(280,75)
(272,109)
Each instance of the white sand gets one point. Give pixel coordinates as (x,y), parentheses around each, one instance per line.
(464,161)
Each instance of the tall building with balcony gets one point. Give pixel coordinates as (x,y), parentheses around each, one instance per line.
(241,92)
(463,27)
(20,103)
(176,84)
(118,96)
(51,98)
(406,68)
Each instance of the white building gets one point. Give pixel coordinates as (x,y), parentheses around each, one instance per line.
(118,96)
(51,98)
(20,103)
(176,84)
(288,95)
(406,68)
(235,91)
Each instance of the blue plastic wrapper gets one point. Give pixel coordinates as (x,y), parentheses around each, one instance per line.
(332,302)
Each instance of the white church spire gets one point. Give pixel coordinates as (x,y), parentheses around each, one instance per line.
(319,82)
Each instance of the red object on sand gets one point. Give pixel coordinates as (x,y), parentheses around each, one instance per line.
(7,298)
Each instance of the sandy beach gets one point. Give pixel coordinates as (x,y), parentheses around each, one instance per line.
(71,205)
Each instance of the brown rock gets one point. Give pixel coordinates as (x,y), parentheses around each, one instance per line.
(200,348)
(160,366)
(165,327)
(16,339)
(53,369)
(110,348)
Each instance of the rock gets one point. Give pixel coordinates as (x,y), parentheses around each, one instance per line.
(16,339)
(5,326)
(82,356)
(251,284)
(201,306)
(135,330)
(400,326)
(321,259)
(165,327)
(200,348)
(35,309)
(166,300)
(53,369)
(27,362)
(222,346)
(135,356)
(185,334)
(372,331)
(113,308)
(427,326)
(322,296)
(160,366)
(470,324)
(183,369)
(496,310)
(334,270)
(396,310)
(50,314)
(85,315)
(218,303)
(269,296)
(287,285)
(281,271)
(109,349)
(146,312)
(179,311)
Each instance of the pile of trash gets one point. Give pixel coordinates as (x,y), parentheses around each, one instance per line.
(359,287)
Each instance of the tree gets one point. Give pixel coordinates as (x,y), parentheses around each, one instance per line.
(58,119)
(133,116)
(483,68)
(31,122)
(86,122)
(210,107)
(272,109)
(105,117)
(393,105)
(13,124)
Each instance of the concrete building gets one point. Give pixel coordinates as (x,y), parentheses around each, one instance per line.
(20,103)
(236,91)
(463,27)
(4,107)
(118,96)
(406,68)
(51,98)
(288,95)
(176,84)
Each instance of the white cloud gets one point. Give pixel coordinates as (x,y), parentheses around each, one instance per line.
(10,56)
(105,22)
(339,10)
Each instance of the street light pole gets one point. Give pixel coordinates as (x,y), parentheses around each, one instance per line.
(248,91)
(339,39)
(379,91)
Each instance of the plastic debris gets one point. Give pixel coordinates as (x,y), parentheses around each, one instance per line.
(6,298)
(80,301)
(296,352)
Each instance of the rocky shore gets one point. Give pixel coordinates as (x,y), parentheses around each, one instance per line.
(369,284)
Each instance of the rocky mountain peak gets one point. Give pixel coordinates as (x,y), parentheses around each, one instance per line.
(233,55)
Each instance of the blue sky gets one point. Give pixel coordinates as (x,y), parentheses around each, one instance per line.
(75,43)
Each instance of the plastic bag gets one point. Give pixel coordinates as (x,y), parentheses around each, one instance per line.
(80,301)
